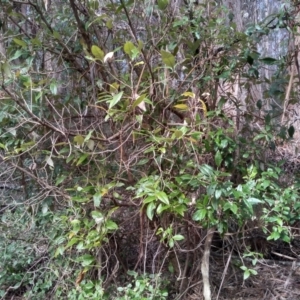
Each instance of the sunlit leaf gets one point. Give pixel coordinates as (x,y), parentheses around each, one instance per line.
(162,196)
(150,210)
(49,161)
(199,214)
(97,199)
(53,88)
(79,139)
(181,106)
(97,52)
(178,237)
(188,94)
(116,98)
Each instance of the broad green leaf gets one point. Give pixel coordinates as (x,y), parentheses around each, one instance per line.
(246,274)
(97,216)
(206,170)
(218,193)
(97,199)
(111,225)
(139,100)
(72,242)
(91,145)
(16,55)
(20,42)
(149,199)
(254,201)
(129,48)
(86,260)
(171,243)
(162,196)
(178,237)
(60,179)
(79,140)
(53,88)
(97,52)
(150,210)
(178,134)
(59,251)
(161,208)
(168,58)
(199,214)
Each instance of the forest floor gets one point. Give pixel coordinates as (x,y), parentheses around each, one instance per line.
(277,278)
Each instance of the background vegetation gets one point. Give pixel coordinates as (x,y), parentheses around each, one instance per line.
(134,147)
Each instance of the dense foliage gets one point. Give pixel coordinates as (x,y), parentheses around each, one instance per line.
(130,151)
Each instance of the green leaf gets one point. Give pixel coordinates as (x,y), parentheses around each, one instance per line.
(56,34)
(116,98)
(168,58)
(269,61)
(86,260)
(79,139)
(49,161)
(178,134)
(254,201)
(97,199)
(16,55)
(20,42)
(218,158)
(178,237)
(149,199)
(5,67)
(53,88)
(199,214)
(150,210)
(231,206)
(162,196)
(162,4)
(171,243)
(111,225)
(246,274)
(97,216)
(60,179)
(206,170)
(88,136)
(72,242)
(129,48)
(138,101)
(81,159)
(97,52)
(218,193)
